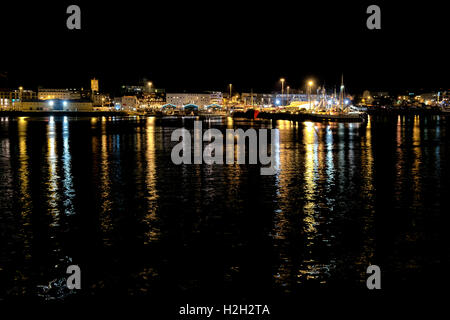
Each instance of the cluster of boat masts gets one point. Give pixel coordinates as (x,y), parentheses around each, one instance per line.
(322,104)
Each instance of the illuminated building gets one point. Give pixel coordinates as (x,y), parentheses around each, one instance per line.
(9,98)
(56,105)
(94,85)
(126,102)
(63,94)
(182,99)
(216,97)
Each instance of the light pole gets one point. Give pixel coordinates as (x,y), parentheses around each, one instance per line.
(148,98)
(287,98)
(20,96)
(282,89)
(310,84)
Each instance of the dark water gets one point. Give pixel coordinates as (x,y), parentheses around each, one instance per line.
(104,194)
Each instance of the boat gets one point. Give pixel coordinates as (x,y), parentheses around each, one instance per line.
(325,111)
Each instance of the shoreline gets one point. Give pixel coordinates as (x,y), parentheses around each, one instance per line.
(9,113)
(236,115)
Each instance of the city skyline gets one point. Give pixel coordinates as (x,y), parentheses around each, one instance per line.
(296,86)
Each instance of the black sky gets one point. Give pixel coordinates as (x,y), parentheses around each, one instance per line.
(206,45)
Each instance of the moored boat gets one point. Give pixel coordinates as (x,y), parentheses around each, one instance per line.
(337,111)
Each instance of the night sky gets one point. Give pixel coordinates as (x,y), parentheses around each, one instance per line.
(196,45)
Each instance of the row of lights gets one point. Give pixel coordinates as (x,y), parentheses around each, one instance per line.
(51,103)
(283,80)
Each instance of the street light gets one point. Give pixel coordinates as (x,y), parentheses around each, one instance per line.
(287,88)
(282,89)
(150,85)
(310,84)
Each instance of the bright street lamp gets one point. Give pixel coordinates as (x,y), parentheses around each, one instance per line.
(282,89)
(310,84)
(287,89)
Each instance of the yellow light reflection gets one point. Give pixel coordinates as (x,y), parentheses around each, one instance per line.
(151,219)
(52,182)
(24,183)
(310,142)
(415,170)
(105,187)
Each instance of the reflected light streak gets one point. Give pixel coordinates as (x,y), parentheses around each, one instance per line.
(24,182)
(105,188)
(311,163)
(151,219)
(329,157)
(52,182)
(69,192)
(415,170)
(400,161)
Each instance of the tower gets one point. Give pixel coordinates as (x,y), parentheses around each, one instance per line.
(94,85)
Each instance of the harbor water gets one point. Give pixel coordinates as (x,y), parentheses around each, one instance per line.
(103,193)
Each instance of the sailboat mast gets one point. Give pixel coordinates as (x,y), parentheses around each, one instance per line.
(341,95)
(333,101)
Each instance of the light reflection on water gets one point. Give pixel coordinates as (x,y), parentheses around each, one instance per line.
(69,191)
(151,217)
(102,192)
(53,178)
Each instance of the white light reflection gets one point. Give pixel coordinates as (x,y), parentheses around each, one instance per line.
(52,181)
(69,192)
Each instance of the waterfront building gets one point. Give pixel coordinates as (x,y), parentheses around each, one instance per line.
(130,103)
(216,97)
(153,97)
(273,99)
(55,105)
(287,99)
(10,98)
(147,94)
(131,90)
(63,94)
(100,99)
(181,99)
